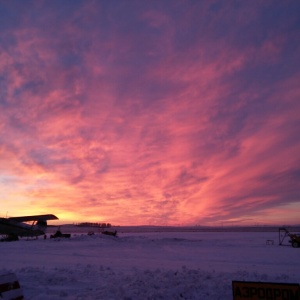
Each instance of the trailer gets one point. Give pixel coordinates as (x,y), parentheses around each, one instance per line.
(294,238)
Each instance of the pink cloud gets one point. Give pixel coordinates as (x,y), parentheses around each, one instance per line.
(136,116)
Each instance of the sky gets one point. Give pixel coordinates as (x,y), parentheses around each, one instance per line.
(151,112)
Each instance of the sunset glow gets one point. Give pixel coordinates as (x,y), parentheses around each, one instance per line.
(151,112)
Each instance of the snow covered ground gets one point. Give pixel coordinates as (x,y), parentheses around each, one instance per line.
(148,265)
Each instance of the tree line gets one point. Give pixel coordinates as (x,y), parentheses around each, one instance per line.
(92,224)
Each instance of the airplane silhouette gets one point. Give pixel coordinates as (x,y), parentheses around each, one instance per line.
(15,227)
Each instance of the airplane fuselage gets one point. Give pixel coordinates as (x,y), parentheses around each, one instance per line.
(11,227)
(15,227)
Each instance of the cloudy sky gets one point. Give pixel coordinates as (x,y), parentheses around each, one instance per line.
(158,112)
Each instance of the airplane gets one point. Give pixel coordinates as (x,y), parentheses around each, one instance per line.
(15,227)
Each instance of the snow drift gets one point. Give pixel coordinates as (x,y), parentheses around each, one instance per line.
(148,265)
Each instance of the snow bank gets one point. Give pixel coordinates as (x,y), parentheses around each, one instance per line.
(147,265)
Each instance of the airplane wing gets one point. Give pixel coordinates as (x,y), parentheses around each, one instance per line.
(34,218)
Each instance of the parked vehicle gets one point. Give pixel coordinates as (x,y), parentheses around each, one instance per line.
(294,238)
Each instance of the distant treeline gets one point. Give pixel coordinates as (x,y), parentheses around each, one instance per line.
(89,224)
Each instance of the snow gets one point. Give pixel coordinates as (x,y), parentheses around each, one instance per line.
(148,265)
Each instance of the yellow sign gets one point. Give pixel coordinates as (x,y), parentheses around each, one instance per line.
(265,291)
